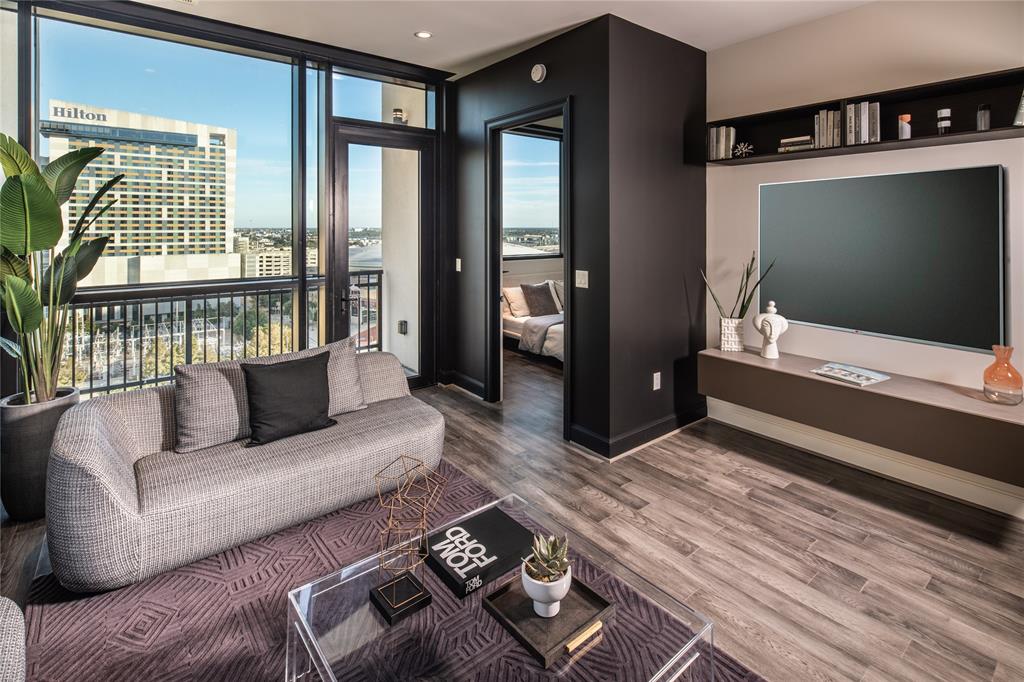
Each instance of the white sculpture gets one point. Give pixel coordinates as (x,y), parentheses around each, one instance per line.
(771,326)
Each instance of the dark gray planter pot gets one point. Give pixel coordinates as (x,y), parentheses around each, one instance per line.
(26,435)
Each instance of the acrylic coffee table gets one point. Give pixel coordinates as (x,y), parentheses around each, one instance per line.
(335,633)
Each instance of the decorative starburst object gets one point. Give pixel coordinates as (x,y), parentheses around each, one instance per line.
(742,150)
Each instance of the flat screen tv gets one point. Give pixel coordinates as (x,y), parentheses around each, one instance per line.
(916,256)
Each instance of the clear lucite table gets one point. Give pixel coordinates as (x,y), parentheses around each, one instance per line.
(335,633)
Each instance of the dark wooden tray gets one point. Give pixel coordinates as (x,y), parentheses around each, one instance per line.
(547,639)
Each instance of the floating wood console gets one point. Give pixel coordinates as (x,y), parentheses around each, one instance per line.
(942,423)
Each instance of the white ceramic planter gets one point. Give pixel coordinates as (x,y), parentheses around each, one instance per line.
(546,597)
(731,333)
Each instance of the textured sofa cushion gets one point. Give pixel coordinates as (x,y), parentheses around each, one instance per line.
(286,398)
(210,404)
(195,504)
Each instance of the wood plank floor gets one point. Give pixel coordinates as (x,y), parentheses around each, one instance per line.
(811,570)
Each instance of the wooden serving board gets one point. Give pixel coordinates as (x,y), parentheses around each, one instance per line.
(547,639)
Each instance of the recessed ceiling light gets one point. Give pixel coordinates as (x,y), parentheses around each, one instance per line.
(423,34)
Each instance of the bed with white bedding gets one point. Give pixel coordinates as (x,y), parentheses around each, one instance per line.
(554,340)
(542,335)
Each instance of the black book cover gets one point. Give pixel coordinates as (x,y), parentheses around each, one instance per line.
(468,554)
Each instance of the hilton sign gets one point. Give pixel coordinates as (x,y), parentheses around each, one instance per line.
(80,114)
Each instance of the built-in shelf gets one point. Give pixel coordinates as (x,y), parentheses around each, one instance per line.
(1001,90)
(927,141)
(950,425)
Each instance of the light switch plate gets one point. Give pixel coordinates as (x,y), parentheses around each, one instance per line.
(458,265)
(657,381)
(582,279)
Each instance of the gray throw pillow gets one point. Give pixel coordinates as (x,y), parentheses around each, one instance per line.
(539,299)
(211,405)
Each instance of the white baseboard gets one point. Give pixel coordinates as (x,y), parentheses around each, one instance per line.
(961,485)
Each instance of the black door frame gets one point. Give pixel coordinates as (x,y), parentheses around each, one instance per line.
(493,241)
(341,133)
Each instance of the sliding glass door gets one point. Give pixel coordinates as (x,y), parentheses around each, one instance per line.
(383,235)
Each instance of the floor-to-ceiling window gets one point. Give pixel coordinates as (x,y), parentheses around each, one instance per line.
(384,157)
(219,237)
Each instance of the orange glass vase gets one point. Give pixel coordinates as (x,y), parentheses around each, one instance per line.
(1003,383)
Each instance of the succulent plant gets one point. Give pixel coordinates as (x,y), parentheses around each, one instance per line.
(550,558)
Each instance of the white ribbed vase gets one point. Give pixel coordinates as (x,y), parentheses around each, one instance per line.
(731,333)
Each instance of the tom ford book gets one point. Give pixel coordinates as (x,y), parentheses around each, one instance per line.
(470,553)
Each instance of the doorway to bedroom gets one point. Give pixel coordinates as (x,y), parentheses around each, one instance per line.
(529,230)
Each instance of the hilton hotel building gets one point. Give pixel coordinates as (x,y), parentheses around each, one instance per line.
(175,215)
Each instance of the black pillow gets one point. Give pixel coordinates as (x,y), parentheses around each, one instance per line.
(287,398)
(539,299)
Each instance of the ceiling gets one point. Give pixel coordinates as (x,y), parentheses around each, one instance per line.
(470,34)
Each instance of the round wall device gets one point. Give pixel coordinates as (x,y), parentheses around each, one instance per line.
(538,73)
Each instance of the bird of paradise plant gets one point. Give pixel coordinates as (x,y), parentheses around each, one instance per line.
(36,281)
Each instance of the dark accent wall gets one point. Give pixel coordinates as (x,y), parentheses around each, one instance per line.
(577,64)
(638,223)
(657,231)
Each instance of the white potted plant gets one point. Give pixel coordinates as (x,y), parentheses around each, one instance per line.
(731,325)
(547,574)
(36,285)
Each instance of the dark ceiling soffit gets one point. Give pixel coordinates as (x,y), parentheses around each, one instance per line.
(171,21)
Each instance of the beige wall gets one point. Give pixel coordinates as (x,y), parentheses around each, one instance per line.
(400,246)
(9,73)
(884,45)
(874,47)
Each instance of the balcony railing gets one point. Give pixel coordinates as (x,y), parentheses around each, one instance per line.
(130,339)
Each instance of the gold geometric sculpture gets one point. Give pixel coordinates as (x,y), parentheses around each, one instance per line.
(409,491)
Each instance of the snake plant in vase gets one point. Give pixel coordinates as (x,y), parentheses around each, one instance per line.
(731,323)
(40,267)
(547,574)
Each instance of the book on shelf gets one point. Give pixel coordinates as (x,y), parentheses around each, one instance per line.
(730,141)
(796,147)
(837,129)
(817,131)
(713,143)
(862,122)
(799,139)
(851,121)
(1018,120)
(849,374)
(721,142)
(874,122)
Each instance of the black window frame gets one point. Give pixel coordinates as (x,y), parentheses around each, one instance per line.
(159,22)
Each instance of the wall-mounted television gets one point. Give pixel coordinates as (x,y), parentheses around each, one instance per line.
(915,256)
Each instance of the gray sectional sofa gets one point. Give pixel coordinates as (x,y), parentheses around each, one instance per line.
(124,502)
(12,642)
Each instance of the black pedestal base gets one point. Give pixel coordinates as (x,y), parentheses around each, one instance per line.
(399,597)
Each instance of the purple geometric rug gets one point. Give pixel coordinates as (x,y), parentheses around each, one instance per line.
(223,618)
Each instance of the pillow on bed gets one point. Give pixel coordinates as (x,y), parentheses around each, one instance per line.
(540,299)
(516,301)
(559,286)
(554,294)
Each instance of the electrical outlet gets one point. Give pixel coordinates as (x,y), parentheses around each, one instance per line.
(458,265)
(582,279)
(657,381)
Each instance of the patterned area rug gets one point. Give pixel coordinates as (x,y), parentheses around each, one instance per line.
(223,618)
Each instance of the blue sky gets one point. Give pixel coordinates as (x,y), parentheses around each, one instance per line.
(529,181)
(134,73)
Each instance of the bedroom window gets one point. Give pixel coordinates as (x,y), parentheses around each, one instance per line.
(531,192)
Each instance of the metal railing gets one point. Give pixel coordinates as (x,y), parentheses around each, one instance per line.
(127,339)
(365,308)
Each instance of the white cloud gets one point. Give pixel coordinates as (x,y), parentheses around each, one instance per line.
(527,164)
(531,181)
